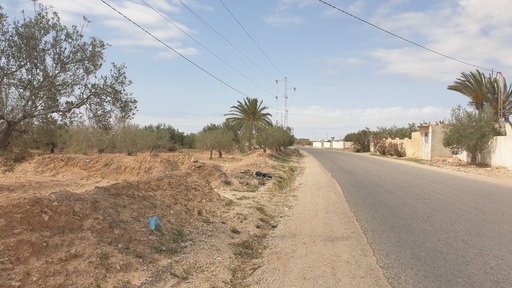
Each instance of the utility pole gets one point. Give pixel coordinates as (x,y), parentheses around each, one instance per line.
(284,115)
(277,102)
(501,121)
(285,121)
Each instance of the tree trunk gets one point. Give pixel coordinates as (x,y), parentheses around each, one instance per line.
(53,145)
(220,153)
(473,158)
(5,136)
(211,154)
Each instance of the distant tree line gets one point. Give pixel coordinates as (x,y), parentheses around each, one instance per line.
(54,99)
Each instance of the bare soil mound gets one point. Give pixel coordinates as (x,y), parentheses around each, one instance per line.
(82,221)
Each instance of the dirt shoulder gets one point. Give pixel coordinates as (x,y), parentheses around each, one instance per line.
(82,221)
(319,243)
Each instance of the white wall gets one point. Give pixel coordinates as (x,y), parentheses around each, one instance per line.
(332,144)
(500,152)
(501,149)
(338,144)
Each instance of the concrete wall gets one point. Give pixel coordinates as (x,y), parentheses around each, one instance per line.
(499,154)
(332,144)
(415,146)
(338,144)
(437,149)
(411,145)
(500,150)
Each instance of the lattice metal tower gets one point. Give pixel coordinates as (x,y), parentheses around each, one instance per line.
(284,115)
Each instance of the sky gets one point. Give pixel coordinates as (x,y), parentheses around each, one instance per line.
(337,73)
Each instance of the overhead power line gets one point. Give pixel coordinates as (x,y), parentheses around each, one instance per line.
(253,41)
(403,38)
(174,50)
(206,48)
(226,42)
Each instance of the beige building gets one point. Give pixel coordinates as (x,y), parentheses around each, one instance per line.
(424,144)
(431,138)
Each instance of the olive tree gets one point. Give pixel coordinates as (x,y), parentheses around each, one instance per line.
(469,131)
(49,72)
(219,139)
(362,140)
(276,137)
(164,136)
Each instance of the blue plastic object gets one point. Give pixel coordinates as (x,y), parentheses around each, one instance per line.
(153,222)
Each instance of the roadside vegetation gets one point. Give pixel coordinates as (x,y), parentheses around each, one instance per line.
(50,80)
(53,99)
(364,139)
(472,130)
(467,130)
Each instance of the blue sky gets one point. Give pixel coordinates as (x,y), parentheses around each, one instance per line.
(347,75)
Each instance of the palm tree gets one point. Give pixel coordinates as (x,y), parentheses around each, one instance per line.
(499,92)
(249,117)
(474,85)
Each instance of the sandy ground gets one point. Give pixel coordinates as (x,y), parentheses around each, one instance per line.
(81,221)
(319,243)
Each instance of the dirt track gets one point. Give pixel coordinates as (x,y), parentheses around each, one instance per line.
(319,243)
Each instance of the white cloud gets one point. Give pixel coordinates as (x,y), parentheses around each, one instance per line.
(171,54)
(288,4)
(478,32)
(355,8)
(341,62)
(316,117)
(191,4)
(127,34)
(282,20)
(282,17)
(338,65)
(420,65)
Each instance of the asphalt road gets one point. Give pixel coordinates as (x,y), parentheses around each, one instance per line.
(427,227)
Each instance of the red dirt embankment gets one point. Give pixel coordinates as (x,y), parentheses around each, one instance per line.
(73,221)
